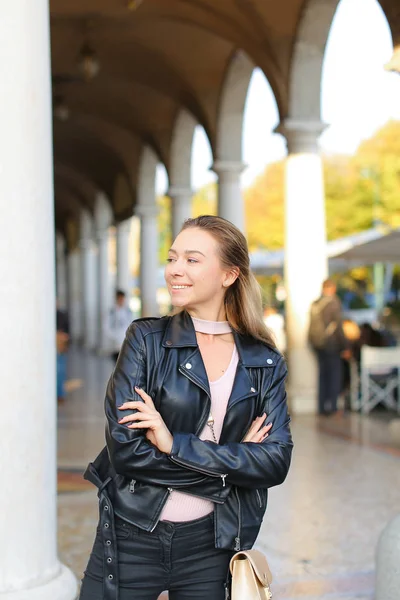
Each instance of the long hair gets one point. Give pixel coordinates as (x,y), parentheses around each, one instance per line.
(243,299)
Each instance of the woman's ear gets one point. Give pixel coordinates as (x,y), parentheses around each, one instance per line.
(231,276)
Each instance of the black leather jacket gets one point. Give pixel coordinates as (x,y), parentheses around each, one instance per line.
(134,478)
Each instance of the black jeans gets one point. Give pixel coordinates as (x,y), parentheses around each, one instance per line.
(179,557)
(330,380)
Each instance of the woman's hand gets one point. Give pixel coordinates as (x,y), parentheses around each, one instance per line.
(148,418)
(258,432)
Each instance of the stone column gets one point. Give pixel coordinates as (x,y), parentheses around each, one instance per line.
(104,288)
(75,295)
(181,199)
(89,282)
(230,199)
(306,263)
(148,259)
(61,272)
(29,567)
(123,272)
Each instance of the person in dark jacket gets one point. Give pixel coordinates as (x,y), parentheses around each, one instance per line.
(197,430)
(327,337)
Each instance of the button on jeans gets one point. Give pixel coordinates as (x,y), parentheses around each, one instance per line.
(178,557)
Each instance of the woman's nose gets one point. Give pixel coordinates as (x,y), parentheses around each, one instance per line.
(177,269)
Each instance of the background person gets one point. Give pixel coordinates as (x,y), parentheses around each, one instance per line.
(190,449)
(118,321)
(62,340)
(327,337)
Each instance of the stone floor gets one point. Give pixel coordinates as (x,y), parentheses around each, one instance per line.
(322,525)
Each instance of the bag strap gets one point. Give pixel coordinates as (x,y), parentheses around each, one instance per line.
(258,562)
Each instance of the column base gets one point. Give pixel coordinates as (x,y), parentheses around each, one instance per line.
(302,404)
(302,384)
(63,587)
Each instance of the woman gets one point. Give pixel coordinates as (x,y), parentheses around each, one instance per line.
(190,455)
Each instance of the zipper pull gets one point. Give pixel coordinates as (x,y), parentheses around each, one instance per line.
(237,544)
(223,477)
(132,486)
(170,490)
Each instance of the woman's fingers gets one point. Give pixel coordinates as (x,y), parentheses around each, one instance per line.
(258,432)
(136,404)
(139,416)
(142,425)
(145,396)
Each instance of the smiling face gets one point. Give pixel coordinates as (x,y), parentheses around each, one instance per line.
(195,277)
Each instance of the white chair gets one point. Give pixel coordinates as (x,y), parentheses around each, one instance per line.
(380,377)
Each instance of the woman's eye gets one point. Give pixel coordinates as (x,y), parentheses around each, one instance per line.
(192,260)
(169,260)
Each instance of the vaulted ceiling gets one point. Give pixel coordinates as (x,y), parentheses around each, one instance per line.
(155,59)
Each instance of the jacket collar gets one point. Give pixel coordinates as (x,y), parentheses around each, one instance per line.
(180,333)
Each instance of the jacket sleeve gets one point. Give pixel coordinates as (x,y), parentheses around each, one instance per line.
(246,464)
(131,455)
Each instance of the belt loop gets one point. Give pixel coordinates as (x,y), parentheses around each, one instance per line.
(110,568)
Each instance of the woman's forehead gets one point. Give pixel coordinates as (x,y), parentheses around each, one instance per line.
(194,239)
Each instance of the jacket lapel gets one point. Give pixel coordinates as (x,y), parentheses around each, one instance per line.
(193,368)
(242,387)
(180,333)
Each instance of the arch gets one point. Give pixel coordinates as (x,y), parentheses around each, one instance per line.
(146,186)
(307,59)
(123,199)
(181,150)
(103,214)
(231,108)
(66,176)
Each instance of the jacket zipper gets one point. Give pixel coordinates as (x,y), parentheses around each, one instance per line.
(203,421)
(259,498)
(181,462)
(237,539)
(132,486)
(162,504)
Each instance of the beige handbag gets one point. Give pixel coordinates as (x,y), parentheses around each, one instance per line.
(251,577)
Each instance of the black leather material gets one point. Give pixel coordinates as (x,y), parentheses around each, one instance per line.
(162,357)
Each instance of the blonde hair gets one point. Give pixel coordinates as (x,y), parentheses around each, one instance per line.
(243,299)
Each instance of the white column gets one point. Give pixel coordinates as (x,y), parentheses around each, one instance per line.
(230,199)
(181,200)
(123,272)
(104,288)
(75,295)
(61,272)
(305,254)
(29,567)
(89,282)
(148,259)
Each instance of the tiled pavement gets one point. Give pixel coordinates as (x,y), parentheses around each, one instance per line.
(322,524)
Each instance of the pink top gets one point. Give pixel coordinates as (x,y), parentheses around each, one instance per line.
(183,507)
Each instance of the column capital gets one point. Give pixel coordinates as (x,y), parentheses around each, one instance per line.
(147,210)
(301,134)
(228,166)
(124,226)
(102,234)
(176,191)
(85,243)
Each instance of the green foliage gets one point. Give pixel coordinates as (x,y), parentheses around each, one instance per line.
(359,190)
(164,228)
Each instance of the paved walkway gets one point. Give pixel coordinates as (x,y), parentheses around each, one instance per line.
(322,525)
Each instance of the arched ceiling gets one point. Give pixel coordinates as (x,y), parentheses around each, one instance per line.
(165,55)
